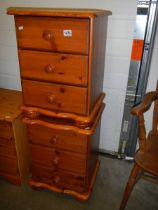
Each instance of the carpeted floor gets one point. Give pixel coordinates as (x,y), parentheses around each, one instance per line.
(106,195)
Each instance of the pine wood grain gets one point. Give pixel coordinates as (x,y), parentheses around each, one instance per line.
(10,102)
(48,34)
(57,12)
(54,67)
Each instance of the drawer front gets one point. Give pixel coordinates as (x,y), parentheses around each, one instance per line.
(61,179)
(14,179)
(58,159)
(8,165)
(54,67)
(8,151)
(66,140)
(53,96)
(53,34)
(6,133)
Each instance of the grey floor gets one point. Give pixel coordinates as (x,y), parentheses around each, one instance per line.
(106,195)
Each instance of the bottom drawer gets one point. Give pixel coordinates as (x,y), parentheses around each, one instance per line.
(61,159)
(8,165)
(14,179)
(61,179)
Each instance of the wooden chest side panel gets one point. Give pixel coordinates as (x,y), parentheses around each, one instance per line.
(93,150)
(97,59)
(22,148)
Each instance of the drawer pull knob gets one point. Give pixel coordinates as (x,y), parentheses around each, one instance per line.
(56,160)
(56,179)
(53,140)
(50,98)
(47,35)
(49,69)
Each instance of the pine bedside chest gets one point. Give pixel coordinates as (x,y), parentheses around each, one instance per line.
(61,55)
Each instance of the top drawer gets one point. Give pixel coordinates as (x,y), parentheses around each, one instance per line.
(53,34)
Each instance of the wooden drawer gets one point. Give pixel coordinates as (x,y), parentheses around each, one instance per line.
(61,179)
(54,96)
(8,151)
(53,34)
(8,165)
(58,159)
(54,67)
(67,140)
(14,179)
(6,133)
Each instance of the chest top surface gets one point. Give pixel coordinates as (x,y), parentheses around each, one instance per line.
(57,12)
(10,101)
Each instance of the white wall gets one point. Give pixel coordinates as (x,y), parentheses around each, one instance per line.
(119,42)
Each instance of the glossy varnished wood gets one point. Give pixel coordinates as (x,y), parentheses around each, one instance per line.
(146,158)
(9,166)
(55,97)
(54,67)
(57,12)
(57,158)
(48,34)
(59,178)
(10,102)
(62,79)
(6,132)
(66,140)
(81,196)
(98,33)
(66,127)
(14,157)
(79,120)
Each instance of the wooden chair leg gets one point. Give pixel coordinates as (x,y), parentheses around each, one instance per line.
(134,176)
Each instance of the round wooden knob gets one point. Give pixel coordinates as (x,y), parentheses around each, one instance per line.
(56,179)
(53,140)
(47,35)
(56,160)
(49,69)
(50,98)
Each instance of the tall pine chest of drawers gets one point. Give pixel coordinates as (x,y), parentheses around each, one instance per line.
(61,56)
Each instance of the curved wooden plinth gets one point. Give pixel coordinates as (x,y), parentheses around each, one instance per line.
(87,131)
(33,113)
(79,196)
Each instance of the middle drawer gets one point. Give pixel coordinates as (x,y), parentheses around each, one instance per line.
(54,67)
(66,140)
(55,96)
